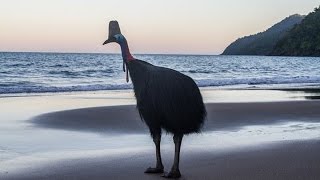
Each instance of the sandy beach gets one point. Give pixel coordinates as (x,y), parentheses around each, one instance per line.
(100,136)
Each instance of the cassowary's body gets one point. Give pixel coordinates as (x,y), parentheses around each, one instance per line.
(166,98)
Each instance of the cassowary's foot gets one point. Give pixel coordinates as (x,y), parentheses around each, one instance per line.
(155,170)
(172,174)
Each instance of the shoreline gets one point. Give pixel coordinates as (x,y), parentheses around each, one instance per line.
(308,88)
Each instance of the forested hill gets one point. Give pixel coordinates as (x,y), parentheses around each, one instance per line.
(263,43)
(303,39)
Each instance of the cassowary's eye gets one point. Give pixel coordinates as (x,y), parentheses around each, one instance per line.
(116,38)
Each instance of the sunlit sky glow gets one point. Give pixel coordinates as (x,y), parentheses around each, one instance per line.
(162,26)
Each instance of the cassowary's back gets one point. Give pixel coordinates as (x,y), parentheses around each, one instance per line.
(167,98)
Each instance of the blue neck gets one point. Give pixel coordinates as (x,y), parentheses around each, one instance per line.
(126,55)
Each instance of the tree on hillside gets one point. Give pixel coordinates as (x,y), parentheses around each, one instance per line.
(303,39)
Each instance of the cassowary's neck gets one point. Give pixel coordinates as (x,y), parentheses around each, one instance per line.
(126,55)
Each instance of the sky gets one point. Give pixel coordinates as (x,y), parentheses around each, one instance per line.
(150,26)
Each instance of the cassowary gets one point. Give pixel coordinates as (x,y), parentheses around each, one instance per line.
(166,99)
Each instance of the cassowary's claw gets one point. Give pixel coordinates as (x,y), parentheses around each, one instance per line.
(172,174)
(156,170)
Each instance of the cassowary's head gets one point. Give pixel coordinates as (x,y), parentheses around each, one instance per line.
(116,36)
(114,33)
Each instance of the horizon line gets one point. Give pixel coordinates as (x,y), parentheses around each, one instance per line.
(172,54)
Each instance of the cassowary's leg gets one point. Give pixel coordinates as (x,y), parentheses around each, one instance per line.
(159,166)
(175,172)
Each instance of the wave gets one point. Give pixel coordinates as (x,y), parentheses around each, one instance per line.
(59,66)
(108,71)
(66,73)
(258,81)
(53,89)
(63,73)
(198,71)
(29,87)
(20,65)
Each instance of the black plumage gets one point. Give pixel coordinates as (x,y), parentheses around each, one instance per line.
(166,99)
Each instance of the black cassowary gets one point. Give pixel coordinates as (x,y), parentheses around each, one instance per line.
(166,99)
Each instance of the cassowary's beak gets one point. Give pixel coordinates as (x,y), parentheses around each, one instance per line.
(110,40)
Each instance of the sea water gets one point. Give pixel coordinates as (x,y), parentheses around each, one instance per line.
(65,72)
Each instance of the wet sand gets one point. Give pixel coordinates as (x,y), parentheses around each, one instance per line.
(279,161)
(243,140)
(220,116)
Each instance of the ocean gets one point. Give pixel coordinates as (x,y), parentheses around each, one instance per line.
(67,72)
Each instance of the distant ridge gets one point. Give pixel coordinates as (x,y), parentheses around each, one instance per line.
(303,39)
(263,43)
